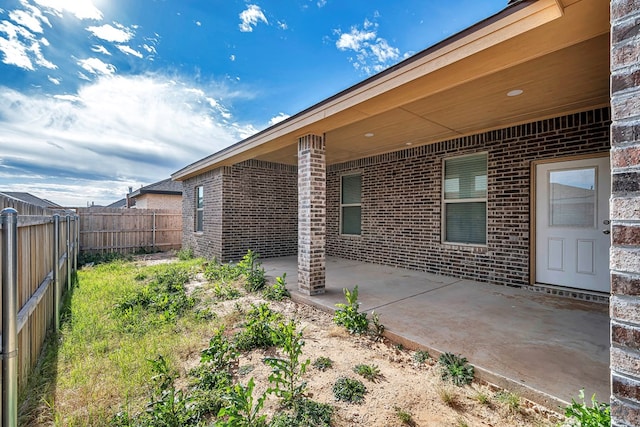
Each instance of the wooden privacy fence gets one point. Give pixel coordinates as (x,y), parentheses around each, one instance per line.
(129,230)
(38,255)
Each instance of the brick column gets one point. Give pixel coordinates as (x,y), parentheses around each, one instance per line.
(625,212)
(312,177)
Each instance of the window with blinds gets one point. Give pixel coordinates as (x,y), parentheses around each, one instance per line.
(350,205)
(465,200)
(199,209)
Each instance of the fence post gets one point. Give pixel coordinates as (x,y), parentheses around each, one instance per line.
(153,243)
(76,245)
(9,221)
(68,251)
(56,271)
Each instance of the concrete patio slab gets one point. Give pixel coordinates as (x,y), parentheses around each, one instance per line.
(544,347)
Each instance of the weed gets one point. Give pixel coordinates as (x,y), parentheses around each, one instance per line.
(250,267)
(287,372)
(456,369)
(85,258)
(370,372)
(405,417)
(185,254)
(461,422)
(305,413)
(216,272)
(322,363)
(482,398)
(240,409)
(278,291)
(205,314)
(510,400)
(421,356)
(349,390)
(347,315)
(258,330)
(596,415)
(225,291)
(448,396)
(377,332)
(245,369)
(221,354)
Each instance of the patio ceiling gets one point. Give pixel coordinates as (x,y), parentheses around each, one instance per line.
(556,52)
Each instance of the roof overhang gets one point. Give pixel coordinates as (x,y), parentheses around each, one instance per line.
(556,51)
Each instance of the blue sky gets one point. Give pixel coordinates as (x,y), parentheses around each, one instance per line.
(100,95)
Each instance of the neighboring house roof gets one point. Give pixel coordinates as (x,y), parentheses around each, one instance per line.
(556,51)
(31,199)
(166,186)
(118,204)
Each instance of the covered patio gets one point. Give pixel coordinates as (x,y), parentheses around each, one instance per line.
(544,347)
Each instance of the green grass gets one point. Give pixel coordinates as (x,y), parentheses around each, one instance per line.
(96,366)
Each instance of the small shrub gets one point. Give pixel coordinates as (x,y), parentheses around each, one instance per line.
(278,291)
(349,390)
(456,369)
(250,267)
(370,372)
(322,363)
(225,291)
(217,272)
(405,417)
(596,415)
(421,356)
(347,315)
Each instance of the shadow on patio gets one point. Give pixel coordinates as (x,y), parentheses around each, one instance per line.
(546,348)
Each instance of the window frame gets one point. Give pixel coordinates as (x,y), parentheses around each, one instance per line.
(347,205)
(445,202)
(198,209)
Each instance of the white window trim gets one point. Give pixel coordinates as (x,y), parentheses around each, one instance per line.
(197,210)
(445,202)
(347,205)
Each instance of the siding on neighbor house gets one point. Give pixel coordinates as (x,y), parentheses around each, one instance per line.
(251,205)
(159,201)
(401,199)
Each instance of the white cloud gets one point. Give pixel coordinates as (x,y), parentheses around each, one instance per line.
(31,19)
(96,66)
(282,25)
(100,49)
(232,58)
(149,48)
(277,119)
(198,23)
(128,50)
(54,80)
(81,9)
(322,3)
(120,129)
(372,53)
(15,52)
(250,18)
(117,34)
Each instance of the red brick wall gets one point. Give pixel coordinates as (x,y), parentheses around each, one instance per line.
(625,212)
(401,199)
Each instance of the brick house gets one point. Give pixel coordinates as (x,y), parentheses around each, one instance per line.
(505,154)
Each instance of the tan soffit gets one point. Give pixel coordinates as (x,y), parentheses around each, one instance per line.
(559,57)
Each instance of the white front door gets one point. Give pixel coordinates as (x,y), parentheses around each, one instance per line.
(572,223)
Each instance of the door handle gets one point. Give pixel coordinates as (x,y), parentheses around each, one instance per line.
(606,231)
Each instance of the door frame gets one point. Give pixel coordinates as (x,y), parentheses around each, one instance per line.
(533,211)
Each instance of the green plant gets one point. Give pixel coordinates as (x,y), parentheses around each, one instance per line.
(278,291)
(456,369)
(225,291)
(349,390)
(370,372)
(217,272)
(448,395)
(250,267)
(377,332)
(221,354)
(405,417)
(322,363)
(305,413)
(482,398)
(421,356)
(240,409)
(287,372)
(258,330)
(510,400)
(596,415)
(461,422)
(347,315)
(185,254)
